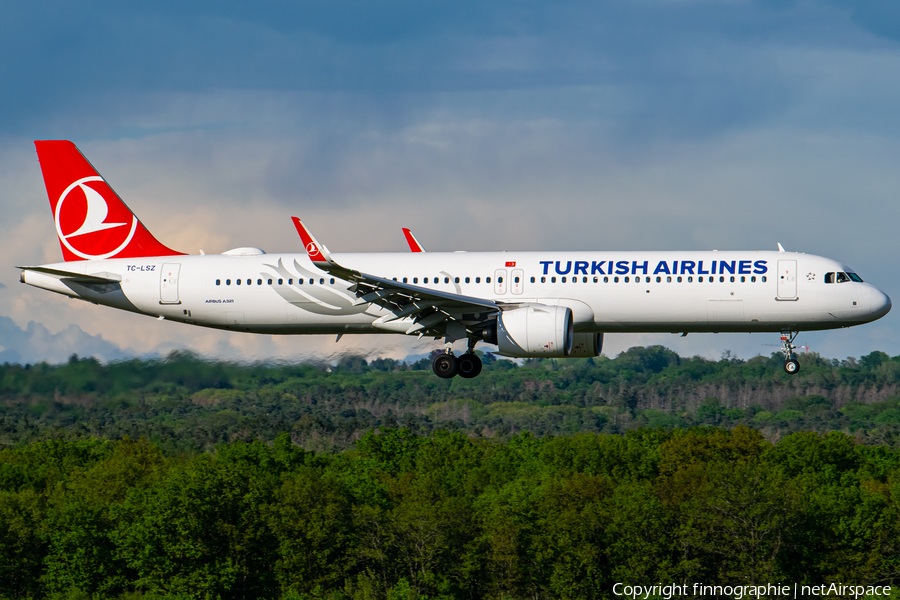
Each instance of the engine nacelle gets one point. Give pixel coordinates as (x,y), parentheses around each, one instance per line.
(532,331)
(586,344)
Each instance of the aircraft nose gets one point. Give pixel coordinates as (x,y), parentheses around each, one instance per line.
(879,303)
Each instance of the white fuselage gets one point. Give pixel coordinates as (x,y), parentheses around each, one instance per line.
(607,291)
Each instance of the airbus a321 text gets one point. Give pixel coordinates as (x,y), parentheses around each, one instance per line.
(528,304)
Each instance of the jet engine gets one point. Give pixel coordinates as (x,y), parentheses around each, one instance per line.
(533,331)
(586,344)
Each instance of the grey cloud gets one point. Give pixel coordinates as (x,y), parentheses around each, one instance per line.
(35,343)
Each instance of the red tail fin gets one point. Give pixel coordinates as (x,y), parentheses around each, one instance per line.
(92,222)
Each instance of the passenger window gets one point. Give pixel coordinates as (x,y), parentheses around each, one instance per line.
(299,282)
(311,281)
(679,279)
(415,280)
(270,282)
(478,280)
(658,279)
(829,277)
(404,280)
(249,282)
(700,279)
(743,279)
(842,277)
(647,279)
(596,279)
(237,281)
(553,280)
(218,282)
(763,278)
(753,279)
(626,279)
(467,280)
(321,281)
(606,280)
(721,279)
(280,281)
(446,280)
(668,279)
(227,282)
(517,280)
(543,280)
(731,278)
(615,280)
(488,279)
(690,279)
(584,280)
(456,279)
(291,281)
(332,281)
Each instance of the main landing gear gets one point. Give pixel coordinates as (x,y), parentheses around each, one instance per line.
(791,365)
(466,365)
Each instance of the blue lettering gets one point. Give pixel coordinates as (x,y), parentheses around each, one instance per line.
(662,267)
(700,270)
(760,267)
(635,267)
(568,268)
(724,266)
(546,264)
(580,267)
(744,267)
(597,267)
(621,267)
(713,270)
(687,267)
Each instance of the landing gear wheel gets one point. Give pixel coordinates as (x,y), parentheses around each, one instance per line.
(445,365)
(468,366)
(791,366)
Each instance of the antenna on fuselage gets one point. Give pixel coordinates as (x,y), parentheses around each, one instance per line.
(780,247)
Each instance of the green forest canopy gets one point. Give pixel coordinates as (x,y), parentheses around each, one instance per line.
(447,516)
(185,404)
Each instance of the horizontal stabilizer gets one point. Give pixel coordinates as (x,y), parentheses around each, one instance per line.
(81,277)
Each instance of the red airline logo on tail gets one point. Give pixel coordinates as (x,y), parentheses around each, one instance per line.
(86,213)
(92,222)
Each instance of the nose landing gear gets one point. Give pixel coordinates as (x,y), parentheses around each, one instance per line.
(791,365)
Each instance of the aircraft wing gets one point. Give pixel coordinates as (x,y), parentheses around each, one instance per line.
(429,310)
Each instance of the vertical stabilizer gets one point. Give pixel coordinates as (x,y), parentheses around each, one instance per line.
(91,220)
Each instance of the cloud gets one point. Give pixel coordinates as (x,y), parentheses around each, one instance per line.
(573,125)
(35,343)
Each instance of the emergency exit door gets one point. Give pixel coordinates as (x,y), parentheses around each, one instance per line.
(168,283)
(787,279)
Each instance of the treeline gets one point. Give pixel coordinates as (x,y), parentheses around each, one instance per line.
(446,516)
(185,404)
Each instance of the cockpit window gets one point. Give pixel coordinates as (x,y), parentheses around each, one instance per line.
(829,277)
(847,277)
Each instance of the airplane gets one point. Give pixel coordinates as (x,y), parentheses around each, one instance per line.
(527,304)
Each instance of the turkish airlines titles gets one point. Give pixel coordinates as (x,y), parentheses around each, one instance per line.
(675,267)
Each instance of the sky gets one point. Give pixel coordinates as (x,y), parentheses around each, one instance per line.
(572,125)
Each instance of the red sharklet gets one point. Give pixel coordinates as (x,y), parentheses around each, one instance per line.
(91,220)
(311,245)
(414,244)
